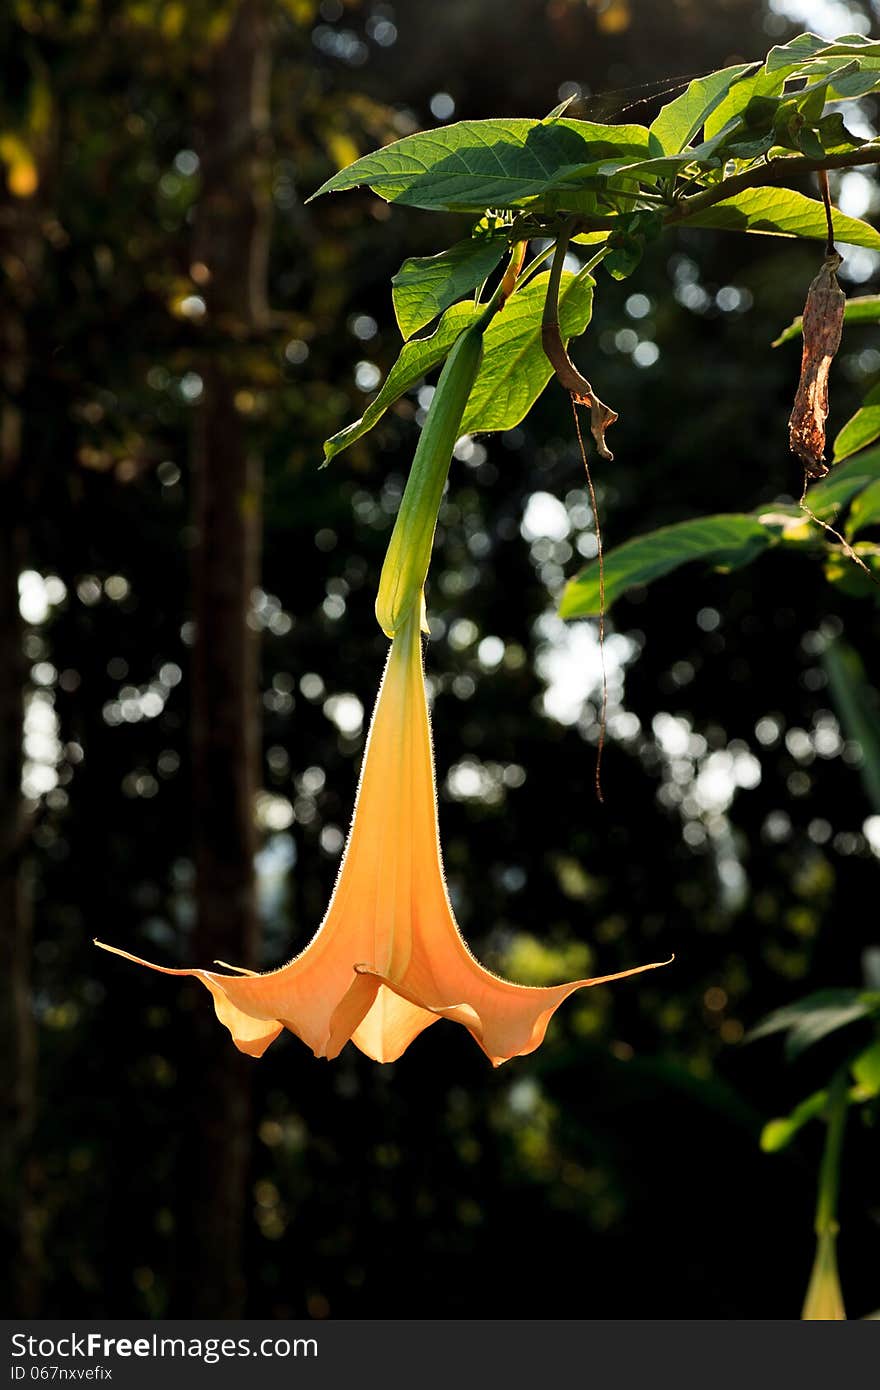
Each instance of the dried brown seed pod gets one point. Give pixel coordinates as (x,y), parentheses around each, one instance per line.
(823,324)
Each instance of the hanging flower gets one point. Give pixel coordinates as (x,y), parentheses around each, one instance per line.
(388,959)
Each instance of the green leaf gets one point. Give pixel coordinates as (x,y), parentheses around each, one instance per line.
(813,1018)
(677,123)
(590,238)
(667,166)
(782,212)
(796,51)
(661,167)
(514,371)
(778,1134)
(845,482)
(862,429)
(738,96)
(844,61)
(515,368)
(750,148)
(863,308)
(472,165)
(726,540)
(855,701)
(808,142)
(865,510)
(426,285)
(852,85)
(810,101)
(625,258)
(626,244)
(834,136)
(820,1022)
(848,45)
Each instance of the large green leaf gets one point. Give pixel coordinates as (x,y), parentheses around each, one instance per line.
(676,124)
(514,370)
(661,167)
(781,212)
(861,429)
(796,51)
(853,85)
(740,92)
(849,45)
(666,166)
(727,541)
(865,510)
(843,483)
(846,77)
(809,1020)
(864,308)
(472,165)
(851,62)
(426,285)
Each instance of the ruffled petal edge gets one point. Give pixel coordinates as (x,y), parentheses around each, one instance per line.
(482,1029)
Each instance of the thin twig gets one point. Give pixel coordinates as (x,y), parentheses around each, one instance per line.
(844,543)
(761,175)
(772,171)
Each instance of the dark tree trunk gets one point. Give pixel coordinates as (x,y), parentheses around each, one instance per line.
(17,1026)
(17,1032)
(230,263)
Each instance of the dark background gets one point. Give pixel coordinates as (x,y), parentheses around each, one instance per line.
(616,1172)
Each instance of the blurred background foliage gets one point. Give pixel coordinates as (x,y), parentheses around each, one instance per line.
(618,1171)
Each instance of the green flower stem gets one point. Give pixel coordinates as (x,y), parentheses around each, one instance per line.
(829,1173)
(409,550)
(824,1300)
(534,265)
(595,260)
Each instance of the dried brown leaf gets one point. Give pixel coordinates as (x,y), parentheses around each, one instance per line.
(823,324)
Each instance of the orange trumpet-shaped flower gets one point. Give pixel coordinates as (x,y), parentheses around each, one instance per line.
(388,959)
